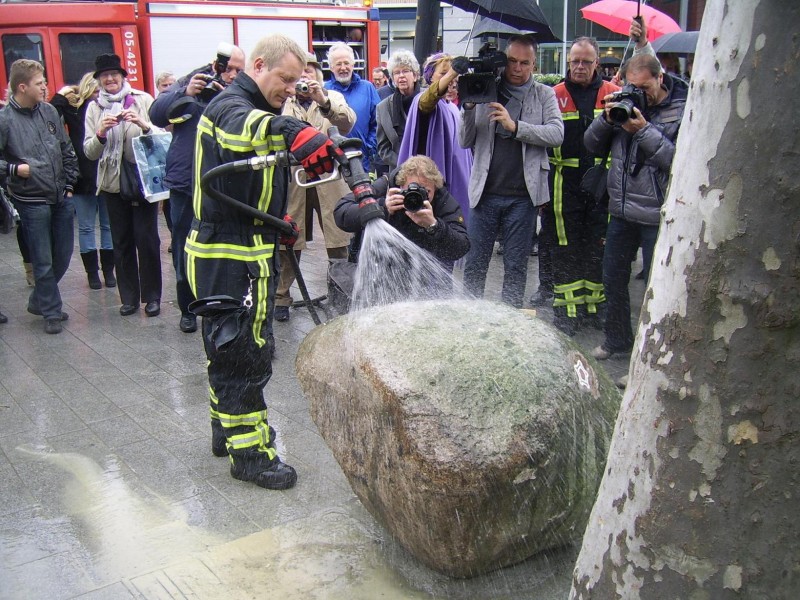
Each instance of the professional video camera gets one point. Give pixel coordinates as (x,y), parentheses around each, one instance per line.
(480,86)
(414,197)
(224,51)
(625,100)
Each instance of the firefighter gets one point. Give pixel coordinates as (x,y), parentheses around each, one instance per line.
(573,221)
(231,257)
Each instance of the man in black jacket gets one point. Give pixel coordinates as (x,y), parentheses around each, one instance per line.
(438,226)
(39,165)
(181,106)
(642,147)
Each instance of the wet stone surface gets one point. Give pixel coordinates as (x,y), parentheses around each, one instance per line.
(109,488)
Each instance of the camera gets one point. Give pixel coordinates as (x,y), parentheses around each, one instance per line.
(414,197)
(480,86)
(301,87)
(626,99)
(224,51)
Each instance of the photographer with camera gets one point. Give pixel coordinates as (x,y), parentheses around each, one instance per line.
(322,109)
(418,204)
(181,106)
(639,127)
(509,138)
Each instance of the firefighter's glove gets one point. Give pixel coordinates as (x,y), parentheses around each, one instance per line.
(460,64)
(311,148)
(288,239)
(368,211)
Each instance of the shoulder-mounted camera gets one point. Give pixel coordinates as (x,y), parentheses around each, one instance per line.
(480,85)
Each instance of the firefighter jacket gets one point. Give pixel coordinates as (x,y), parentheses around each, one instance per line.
(236,126)
(640,163)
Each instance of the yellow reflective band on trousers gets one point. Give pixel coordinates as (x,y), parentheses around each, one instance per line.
(259,252)
(558,192)
(595,296)
(258,438)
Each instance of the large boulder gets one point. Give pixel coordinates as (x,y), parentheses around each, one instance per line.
(474,433)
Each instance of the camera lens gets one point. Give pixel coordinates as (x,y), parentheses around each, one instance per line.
(414,197)
(301,87)
(621,112)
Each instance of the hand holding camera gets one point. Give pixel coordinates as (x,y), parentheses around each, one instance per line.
(413,200)
(624,108)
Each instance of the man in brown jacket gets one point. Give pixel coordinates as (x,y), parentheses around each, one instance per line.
(321,108)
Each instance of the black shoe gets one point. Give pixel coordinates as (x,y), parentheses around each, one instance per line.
(128,309)
(52,326)
(3,318)
(38,313)
(542,298)
(152,308)
(274,476)
(188,323)
(282,313)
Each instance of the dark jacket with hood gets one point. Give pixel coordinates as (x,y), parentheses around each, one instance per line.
(449,240)
(36,137)
(640,162)
(75,120)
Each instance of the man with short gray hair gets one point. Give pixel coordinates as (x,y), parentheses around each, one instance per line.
(360,95)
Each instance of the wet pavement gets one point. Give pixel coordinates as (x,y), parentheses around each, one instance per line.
(109,488)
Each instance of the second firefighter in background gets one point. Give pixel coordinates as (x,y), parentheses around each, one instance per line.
(233,255)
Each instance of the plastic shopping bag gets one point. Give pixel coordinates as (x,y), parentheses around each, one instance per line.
(151,159)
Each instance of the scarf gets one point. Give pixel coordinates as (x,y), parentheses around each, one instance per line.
(512,97)
(400,106)
(114,104)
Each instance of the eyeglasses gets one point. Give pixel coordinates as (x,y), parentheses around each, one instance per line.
(403,72)
(581,63)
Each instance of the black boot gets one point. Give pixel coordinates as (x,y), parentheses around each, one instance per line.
(256,467)
(90,264)
(107,260)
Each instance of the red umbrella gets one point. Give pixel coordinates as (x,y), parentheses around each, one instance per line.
(616,16)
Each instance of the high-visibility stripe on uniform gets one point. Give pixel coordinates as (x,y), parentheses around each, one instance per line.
(257,253)
(595,296)
(257,438)
(571,299)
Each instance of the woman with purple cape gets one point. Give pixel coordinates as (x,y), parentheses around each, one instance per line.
(432,129)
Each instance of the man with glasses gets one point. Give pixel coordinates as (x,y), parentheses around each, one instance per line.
(360,95)
(572,223)
(509,174)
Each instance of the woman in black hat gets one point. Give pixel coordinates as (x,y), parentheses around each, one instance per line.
(119,115)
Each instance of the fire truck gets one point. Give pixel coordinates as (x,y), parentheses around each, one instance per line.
(152,36)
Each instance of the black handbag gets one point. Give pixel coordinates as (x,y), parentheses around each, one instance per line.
(130,186)
(595,183)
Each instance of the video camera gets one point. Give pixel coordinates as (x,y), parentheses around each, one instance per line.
(625,100)
(224,51)
(480,86)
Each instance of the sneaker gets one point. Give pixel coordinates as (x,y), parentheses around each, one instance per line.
(188,323)
(542,298)
(273,476)
(52,326)
(282,313)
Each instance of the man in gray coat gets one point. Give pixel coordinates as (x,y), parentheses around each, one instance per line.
(509,176)
(40,167)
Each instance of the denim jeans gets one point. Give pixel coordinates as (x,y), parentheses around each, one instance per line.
(517,217)
(181,215)
(89,207)
(49,232)
(623,239)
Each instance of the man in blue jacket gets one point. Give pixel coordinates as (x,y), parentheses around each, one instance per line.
(360,95)
(39,166)
(181,106)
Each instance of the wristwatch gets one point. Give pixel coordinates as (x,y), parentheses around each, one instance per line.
(433,228)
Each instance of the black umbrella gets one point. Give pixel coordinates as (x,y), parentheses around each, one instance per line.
(682,42)
(610,61)
(522,14)
(490,26)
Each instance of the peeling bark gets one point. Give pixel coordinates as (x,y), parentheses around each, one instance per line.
(700,494)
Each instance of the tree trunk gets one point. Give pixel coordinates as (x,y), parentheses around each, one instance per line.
(700,496)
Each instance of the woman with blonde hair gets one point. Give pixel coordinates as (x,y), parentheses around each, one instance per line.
(71,102)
